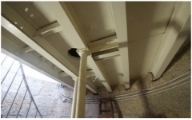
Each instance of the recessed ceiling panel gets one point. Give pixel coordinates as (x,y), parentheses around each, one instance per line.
(95,19)
(30,12)
(147,18)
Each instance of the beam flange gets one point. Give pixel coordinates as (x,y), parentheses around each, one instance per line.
(26,49)
(103,44)
(106,56)
(48,30)
(177,32)
(120,20)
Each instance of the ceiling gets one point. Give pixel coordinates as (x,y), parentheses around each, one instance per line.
(147,23)
(95,18)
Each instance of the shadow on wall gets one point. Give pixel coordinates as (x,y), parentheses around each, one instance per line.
(118,109)
(148,112)
(186,46)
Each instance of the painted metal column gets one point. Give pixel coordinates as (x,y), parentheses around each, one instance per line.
(73,111)
(81,91)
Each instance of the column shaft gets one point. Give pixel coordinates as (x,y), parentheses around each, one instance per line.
(73,110)
(81,91)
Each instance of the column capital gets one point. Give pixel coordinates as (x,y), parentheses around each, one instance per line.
(83,50)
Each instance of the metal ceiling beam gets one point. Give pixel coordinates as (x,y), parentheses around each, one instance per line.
(62,63)
(105,56)
(89,74)
(103,44)
(61,13)
(27,49)
(48,30)
(12,49)
(120,20)
(176,33)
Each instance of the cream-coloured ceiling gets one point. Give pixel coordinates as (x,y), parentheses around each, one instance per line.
(146,19)
(95,19)
(38,21)
(141,55)
(30,13)
(146,23)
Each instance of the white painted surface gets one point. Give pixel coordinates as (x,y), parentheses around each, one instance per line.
(146,19)
(147,22)
(114,70)
(142,54)
(52,51)
(71,31)
(120,20)
(81,89)
(74,103)
(175,36)
(83,22)
(103,44)
(95,19)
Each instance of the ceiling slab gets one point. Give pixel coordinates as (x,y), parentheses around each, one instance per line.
(95,19)
(146,19)
(30,13)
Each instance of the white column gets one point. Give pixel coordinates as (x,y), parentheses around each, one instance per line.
(73,110)
(80,105)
